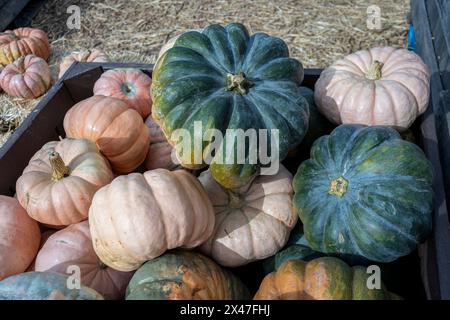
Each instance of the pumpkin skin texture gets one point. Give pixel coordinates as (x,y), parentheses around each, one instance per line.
(28,77)
(93,55)
(73,246)
(129,85)
(223,78)
(324,278)
(57,186)
(21,42)
(118,131)
(44,237)
(19,238)
(138,217)
(184,275)
(380,86)
(252,223)
(43,286)
(365,192)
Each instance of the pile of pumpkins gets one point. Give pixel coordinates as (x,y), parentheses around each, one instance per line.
(140,223)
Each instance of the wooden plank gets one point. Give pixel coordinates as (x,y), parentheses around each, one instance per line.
(9,12)
(27,14)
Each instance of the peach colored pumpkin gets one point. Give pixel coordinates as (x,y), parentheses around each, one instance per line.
(19,238)
(129,85)
(21,42)
(118,131)
(380,86)
(253,222)
(28,77)
(138,217)
(72,246)
(60,180)
(44,237)
(93,55)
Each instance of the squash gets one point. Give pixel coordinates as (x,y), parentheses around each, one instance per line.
(323,278)
(21,42)
(19,238)
(72,246)
(92,55)
(118,131)
(129,85)
(380,86)
(139,216)
(28,77)
(252,223)
(57,185)
(223,78)
(365,192)
(44,237)
(43,286)
(184,275)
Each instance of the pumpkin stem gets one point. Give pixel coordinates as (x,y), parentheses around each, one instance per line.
(236,201)
(338,187)
(101,265)
(20,63)
(85,55)
(238,82)
(374,72)
(59,169)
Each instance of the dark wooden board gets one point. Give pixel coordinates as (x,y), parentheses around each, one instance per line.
(9,11)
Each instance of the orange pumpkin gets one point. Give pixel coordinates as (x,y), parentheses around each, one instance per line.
(118,131)
(93,55)
(19,238)
(44,237)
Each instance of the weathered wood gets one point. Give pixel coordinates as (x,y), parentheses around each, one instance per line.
(9,11)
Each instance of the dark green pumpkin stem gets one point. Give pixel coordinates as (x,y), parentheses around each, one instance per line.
(338,187)
(59,169)
(236,201)
(238,82)
(374,72)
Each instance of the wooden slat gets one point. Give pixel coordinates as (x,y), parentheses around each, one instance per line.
(9,12)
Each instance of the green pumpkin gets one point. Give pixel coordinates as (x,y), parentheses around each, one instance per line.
(365,192)
(184,275)
(43,286)
(225,79)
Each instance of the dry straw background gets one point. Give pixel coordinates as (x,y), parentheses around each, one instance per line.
(317,32)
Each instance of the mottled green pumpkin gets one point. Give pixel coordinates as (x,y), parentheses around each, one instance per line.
(225,79)
(184,275)
(43,286)
(365,192)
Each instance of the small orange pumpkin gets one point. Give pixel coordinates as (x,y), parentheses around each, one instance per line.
(93,55)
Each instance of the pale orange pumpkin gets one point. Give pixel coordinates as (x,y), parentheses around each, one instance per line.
(93,55)
(44,237)
(71,247)
(19,238)
(139,216)
(28,77)
(60,180)
(380,86)
(21,42)
(119,131)
(129,85)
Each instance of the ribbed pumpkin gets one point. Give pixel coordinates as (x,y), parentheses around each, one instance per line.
(380,86)
(223,78)
(129,85)
(324,278)
(57,185)
(93,55)
(28,77)
(253,222)
(73,246)
(139,216)
(183,275)
(19,238)
(44,237)
(43,286)
(21,42)
(118,131)
(366,192)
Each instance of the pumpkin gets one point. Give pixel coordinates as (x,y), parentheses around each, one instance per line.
(57,185)
(365,191)
(21,42)
(44,237)
(223,78)
(129,85)
(325,278)
(160,151)
(93,55)
(252,223)
(139,216)
(44,286)
(170,43)
(380,86)
(72,246)
(184,275)
(118,131)
(19,238)
(28,77)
